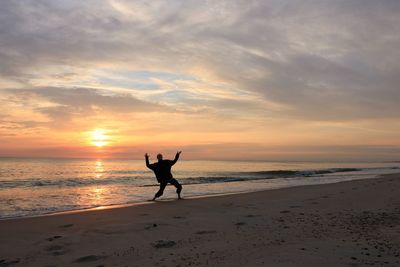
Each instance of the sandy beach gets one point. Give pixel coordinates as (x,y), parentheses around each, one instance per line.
(353,223)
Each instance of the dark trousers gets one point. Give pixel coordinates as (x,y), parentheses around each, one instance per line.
(164,184)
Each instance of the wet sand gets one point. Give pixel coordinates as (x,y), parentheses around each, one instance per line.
(353,223)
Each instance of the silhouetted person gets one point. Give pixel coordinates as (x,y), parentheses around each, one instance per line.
(162,170)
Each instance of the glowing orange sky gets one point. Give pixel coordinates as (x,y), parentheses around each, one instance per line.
(274,80)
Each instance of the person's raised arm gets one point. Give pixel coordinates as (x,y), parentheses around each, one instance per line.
(146,156)
(176,157)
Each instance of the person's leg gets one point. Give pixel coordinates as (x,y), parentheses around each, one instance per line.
(160,191)
(178,186)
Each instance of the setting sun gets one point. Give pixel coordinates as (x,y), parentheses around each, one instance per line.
(99,138)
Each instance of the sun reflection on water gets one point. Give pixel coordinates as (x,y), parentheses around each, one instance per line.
(99,169)
(95,196)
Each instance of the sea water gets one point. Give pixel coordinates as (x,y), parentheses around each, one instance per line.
(30,187)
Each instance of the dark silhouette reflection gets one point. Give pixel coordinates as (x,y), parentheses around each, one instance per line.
(162,170)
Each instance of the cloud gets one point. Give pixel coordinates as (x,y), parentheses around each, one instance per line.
(63,104)
(318,59)
(327,60)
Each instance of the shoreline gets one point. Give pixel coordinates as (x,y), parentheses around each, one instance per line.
(127,205)
(352,223)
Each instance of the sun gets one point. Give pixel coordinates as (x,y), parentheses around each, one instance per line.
(99,138)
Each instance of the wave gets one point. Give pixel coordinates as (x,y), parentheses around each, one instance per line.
(70,182)
(134,180)
(262,175)
(289,173)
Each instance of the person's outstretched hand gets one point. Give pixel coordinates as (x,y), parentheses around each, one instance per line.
(146,155)
(179,152)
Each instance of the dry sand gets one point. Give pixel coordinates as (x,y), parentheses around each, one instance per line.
(353,223)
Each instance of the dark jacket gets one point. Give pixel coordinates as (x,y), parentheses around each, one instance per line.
(162,169)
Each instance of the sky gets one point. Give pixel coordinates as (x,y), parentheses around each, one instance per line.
(230,80)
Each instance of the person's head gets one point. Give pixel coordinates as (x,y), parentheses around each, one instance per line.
(159,156)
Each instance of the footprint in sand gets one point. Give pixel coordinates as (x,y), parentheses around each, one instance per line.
(148,227)
(59,253)
(57,250)
(252,216)
(164,244)
(89,258)
(8,263)
(206,232)
(54,238)
(67,225)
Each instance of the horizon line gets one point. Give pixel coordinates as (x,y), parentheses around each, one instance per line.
(249,160)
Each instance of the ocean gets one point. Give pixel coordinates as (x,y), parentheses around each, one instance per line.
(31,187)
